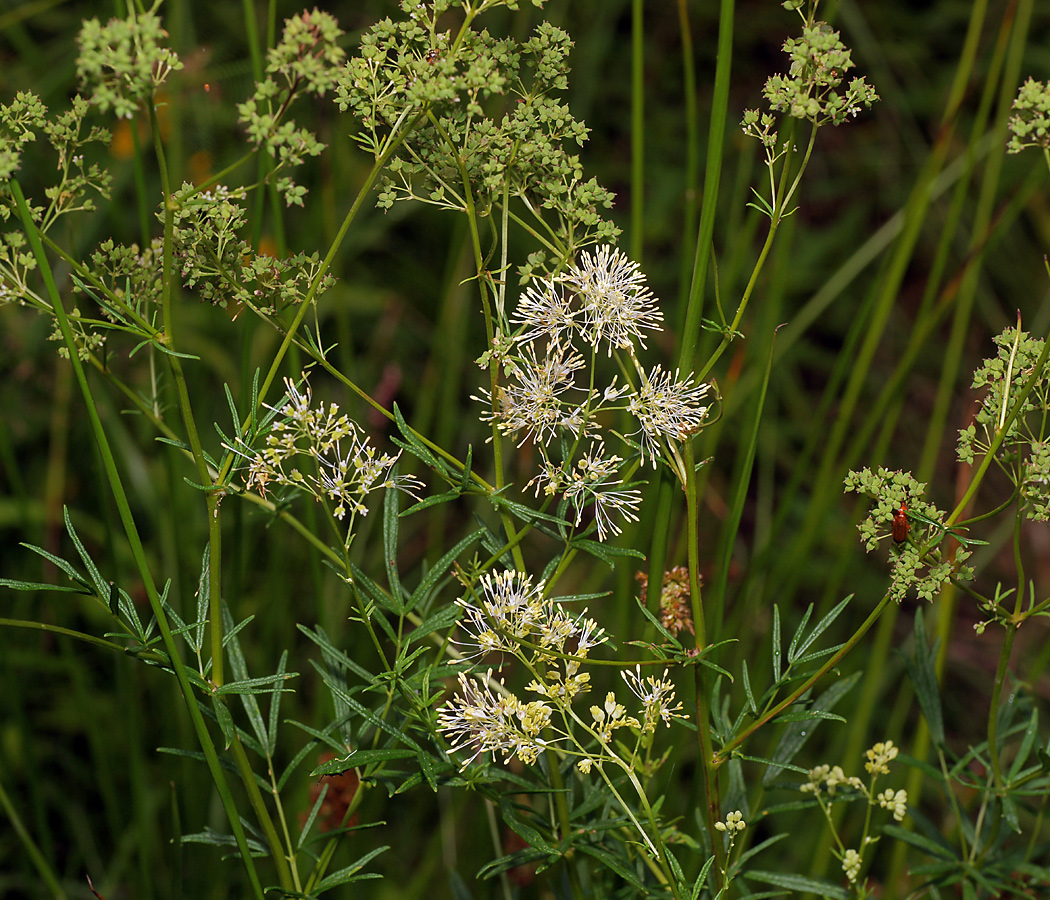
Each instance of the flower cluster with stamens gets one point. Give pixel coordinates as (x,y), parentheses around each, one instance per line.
(548,392)
(339,466)
(823,782)
(510,616)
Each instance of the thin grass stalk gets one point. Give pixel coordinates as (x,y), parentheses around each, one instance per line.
(742,480)
(949,374)
(43,867)
(692,153)
(637,244)
(712,177)
(712,805)
(663,494)
(1013,33)
(131,531)
(916,208)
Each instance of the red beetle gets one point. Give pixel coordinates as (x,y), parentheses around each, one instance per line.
(900,526)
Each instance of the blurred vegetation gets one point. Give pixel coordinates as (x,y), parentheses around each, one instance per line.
(871,368)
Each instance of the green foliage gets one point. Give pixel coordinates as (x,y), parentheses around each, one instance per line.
(479,702)
(122,63)
(919,561)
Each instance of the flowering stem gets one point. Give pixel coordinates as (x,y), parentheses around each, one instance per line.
(655,843)
(778,215)
(490,333)
(726,752)
(1001,432)
(393,143)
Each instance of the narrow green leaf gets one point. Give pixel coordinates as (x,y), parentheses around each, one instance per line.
(171,442)
(797,733)
(242,684)
(793,646)
(17,585)
(265,684)
(218,839)
(524,513)
(349,874)
(800,884)
(606,552)
(100,585)
(920,842)
(776,643)
(196,641)
(275,707)
(522,828)
(803,715)
(1027,742)
(254,407)
(758,848)
(309,823)
(701,878)
(390,532)
(464,482)
(426,766)
(60,563)
(222,716)
(441,567)
(615,863)
(360,758)
(923,674)
(333,654)
(233,409)
(445,617)
(747,689)
(822,626)
(427,502)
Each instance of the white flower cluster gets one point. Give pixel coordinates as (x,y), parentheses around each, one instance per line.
(512,617)
(342,467)
(824,780)
(548,388)
(734,822)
